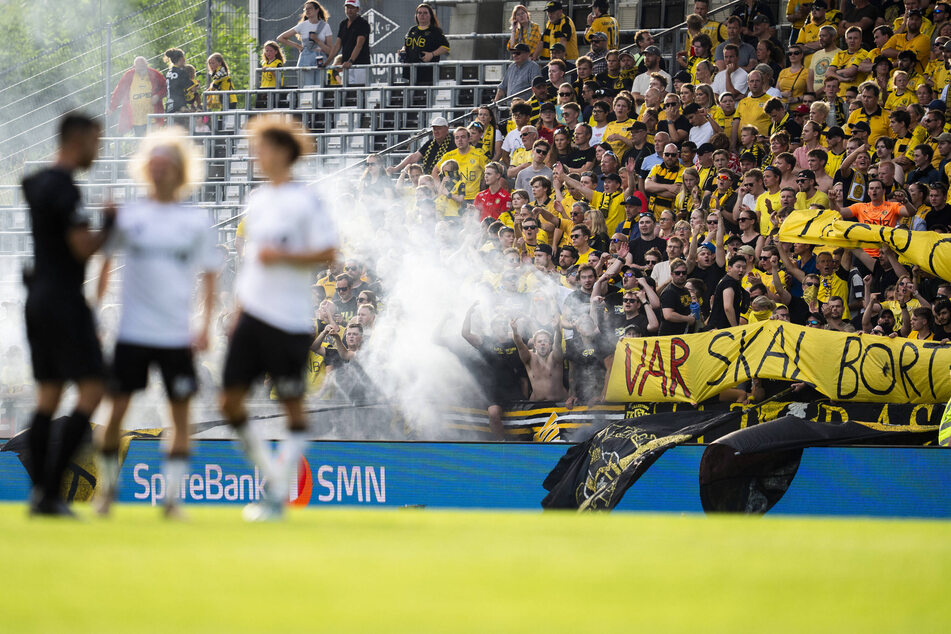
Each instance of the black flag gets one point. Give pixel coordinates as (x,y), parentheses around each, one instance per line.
(595,474)
(749,470)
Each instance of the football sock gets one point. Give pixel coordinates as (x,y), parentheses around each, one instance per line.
(74,430)
(289,454)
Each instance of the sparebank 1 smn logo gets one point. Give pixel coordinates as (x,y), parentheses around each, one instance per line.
(337,483)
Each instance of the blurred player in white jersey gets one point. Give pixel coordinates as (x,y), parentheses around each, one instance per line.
(289,234)
(165,246)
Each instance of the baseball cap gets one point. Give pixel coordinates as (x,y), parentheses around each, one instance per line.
(944,137)
(439,122)
(543,248)
(558,46)
(546,106)
(733,238)
(773,168)
(352,3)
(819,4)
(760,19)
(612,177)
(683,76)
(598,35)
(652,50)
(861,125)
(746,250)
(626,54)
(807,174)
(521,48)
(632,201)
(539,81)
(553,6)
(801,109)
(708,246)
(937,104)
(835,131)
(705,148)
(638,126)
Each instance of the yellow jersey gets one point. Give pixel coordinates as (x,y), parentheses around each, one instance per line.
(471,167)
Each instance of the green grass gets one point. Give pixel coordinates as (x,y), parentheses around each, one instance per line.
(423,570)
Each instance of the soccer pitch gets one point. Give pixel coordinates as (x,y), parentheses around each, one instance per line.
(421,570)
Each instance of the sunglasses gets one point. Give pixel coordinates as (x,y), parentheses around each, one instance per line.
(578,235)
(565,94)
(795,52)
(808,284)
(343,288)
(652,262)
(629,300)
(525,134)
(670,154)
(529,227)
(742,219)
(670,105)
(678,273)
(540,151)
(614,240)
(812,322)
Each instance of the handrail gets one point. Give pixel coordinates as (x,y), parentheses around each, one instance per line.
(495,104)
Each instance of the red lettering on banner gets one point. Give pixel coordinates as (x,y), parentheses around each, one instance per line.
(675,363)
(653,370)
(632,380)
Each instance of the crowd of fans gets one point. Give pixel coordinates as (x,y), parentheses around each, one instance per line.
(622,197)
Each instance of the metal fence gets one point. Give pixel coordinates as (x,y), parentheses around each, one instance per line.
(82,73)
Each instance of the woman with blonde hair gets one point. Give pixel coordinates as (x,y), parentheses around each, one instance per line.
(599,240)
(165,245)
(524,31)
(689,195)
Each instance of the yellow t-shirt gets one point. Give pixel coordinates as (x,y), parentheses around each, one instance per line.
(267,79)
(140,98)
(765,223)
(520,156)
(603,24)
(877,122)
(895,100)
(920,45)
(819,198)
(618,127)
(751,112)
(471,167)
(612,206)
(844,59)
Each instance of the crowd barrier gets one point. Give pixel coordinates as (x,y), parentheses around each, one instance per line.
(853,481)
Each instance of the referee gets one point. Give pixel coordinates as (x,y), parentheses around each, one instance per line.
(59,325)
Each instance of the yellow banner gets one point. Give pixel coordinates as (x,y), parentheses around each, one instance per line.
(844,367)
(929,250)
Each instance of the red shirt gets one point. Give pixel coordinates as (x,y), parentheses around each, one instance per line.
(490,204)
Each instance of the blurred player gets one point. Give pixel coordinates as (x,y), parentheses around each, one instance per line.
(289,234)
(165,245)
(59,325)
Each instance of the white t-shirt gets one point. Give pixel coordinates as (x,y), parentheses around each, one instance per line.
(597,134)
(512,141)
(293,218)
(701,134)
(165,246)
(642,82)
(305,28)
(738,78)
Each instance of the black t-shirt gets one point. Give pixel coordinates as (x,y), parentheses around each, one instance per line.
(506,370)
(618,323)
(711,276)
(348,40)
(639,247)
(347,309)
(882,279)
(176,83)
(417,42)
(938,217)
(855,14)
(680,123)
(577,303)
(678,299)
(854,188)
(586,361)
(577,158)
(741,300)
(55,209)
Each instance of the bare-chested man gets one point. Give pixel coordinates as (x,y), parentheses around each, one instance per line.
(545,365)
